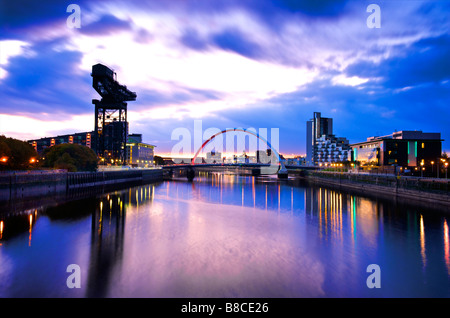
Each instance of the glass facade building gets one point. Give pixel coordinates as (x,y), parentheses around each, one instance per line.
(403,149)
(139,154)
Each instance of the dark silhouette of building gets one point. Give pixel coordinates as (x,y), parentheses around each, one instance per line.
(111,126)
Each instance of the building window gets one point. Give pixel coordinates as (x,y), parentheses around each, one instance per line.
(423,145)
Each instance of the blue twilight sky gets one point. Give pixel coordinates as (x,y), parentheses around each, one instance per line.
(230,63)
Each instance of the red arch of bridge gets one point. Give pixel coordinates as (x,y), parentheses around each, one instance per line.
(234,129)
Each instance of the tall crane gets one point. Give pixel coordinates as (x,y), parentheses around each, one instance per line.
(111,126)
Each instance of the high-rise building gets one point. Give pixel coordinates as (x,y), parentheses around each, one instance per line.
(316,127)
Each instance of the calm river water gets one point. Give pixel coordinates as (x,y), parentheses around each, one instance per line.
(226,236)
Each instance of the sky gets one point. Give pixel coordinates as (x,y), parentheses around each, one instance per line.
(252,64)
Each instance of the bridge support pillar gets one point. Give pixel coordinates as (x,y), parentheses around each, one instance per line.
(282,175)
(283,172)
(256,172)
(190,174)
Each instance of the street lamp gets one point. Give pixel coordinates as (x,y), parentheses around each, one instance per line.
(421,168)
(432,168)
(446,165)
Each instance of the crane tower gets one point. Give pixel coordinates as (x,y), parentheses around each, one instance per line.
(111,126)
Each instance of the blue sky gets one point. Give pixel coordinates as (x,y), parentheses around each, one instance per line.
(230,63)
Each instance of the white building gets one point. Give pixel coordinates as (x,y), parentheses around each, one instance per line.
(213,157)
(331,149)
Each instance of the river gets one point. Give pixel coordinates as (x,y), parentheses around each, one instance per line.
(226,236)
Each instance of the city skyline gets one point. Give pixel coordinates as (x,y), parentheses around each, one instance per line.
(259,64)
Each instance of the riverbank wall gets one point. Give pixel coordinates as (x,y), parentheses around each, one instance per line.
(28,184)
(432,190)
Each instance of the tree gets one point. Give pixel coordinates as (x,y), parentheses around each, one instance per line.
(16,154)
(66,162)
(71,157)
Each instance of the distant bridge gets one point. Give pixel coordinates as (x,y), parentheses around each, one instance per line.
(253,169)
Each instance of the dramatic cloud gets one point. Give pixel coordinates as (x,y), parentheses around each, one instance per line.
(106,25)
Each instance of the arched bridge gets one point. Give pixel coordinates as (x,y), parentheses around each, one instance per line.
(256,169)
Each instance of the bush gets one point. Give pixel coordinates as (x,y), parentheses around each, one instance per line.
(16,154)
(71,157)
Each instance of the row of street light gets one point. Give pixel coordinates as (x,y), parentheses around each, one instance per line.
(444,164)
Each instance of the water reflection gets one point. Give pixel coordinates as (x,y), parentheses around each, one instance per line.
(107,213)
(15,224)
(107,233)
(227,236)
(447,247)
(411,241)
(107,236)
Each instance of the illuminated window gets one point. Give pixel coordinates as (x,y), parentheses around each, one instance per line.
(423,145)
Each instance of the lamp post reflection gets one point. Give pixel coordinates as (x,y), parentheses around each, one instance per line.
(107,235)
